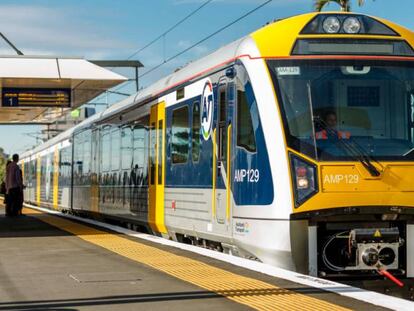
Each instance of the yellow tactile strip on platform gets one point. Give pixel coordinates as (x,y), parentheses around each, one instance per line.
(245,290)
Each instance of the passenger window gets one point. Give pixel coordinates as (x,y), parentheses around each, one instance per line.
(245,131)
(106,150)
(78,158)
(139,146)
(87,153)
(115,148)
(222,125)
(140,158)
(195,135)
(126,148)
(153,139)
(180,135)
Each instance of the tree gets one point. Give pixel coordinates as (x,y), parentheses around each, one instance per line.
(344,4)
(3,160)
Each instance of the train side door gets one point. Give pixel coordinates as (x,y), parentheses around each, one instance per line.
(222,145)
(157,168)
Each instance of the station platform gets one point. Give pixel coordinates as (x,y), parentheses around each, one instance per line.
(49,262)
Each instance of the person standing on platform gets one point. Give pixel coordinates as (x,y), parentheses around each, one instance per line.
(14,187)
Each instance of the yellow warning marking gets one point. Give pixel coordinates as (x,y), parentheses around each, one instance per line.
(377,234)
(244,290)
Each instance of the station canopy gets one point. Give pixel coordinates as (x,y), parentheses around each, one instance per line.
(38,90)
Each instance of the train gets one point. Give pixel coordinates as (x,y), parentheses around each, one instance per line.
(292,146)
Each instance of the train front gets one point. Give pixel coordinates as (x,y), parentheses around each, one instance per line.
(346,98)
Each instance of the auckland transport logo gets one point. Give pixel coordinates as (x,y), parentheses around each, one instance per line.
(207,110)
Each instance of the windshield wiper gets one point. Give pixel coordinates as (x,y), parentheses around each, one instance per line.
(408,153)
(352,148)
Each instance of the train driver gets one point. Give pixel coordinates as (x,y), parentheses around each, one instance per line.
(330,130)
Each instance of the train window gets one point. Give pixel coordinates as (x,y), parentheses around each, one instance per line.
(115,148)
(363,96)
(126,148)
(245,131)
(94,145)
(328,105)
(106,150)
(222,128)
(139,146)
(78,158)
(139,173)
(87,152)
(180,135)
(153,140)
(64,166)
(195,133)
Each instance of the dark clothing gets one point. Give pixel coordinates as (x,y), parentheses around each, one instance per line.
(14,201)
(14,186)
(14,178)
(7,204)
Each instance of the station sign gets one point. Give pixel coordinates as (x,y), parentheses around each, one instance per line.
(25,97)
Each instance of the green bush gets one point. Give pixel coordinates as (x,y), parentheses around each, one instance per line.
(3,161)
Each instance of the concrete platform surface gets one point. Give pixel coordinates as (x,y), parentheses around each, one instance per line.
(51,263)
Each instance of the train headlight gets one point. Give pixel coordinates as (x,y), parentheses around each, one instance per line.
(303,183)
(331,24)
(352,25)
(304,179)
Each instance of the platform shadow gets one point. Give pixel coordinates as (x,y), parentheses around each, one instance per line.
(157,297)
(28,226)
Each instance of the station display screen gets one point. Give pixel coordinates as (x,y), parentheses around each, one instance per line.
(19,97)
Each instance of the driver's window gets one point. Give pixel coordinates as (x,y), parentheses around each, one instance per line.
(297,107)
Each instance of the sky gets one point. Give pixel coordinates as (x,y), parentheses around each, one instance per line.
(115,29)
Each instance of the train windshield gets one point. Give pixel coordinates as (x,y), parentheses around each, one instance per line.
(345,109)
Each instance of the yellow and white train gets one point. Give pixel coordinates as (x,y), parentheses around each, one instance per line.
(293,145)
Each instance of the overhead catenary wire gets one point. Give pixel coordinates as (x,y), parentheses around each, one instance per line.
(170,29)
(199,42)
(162,35)
(206,38)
